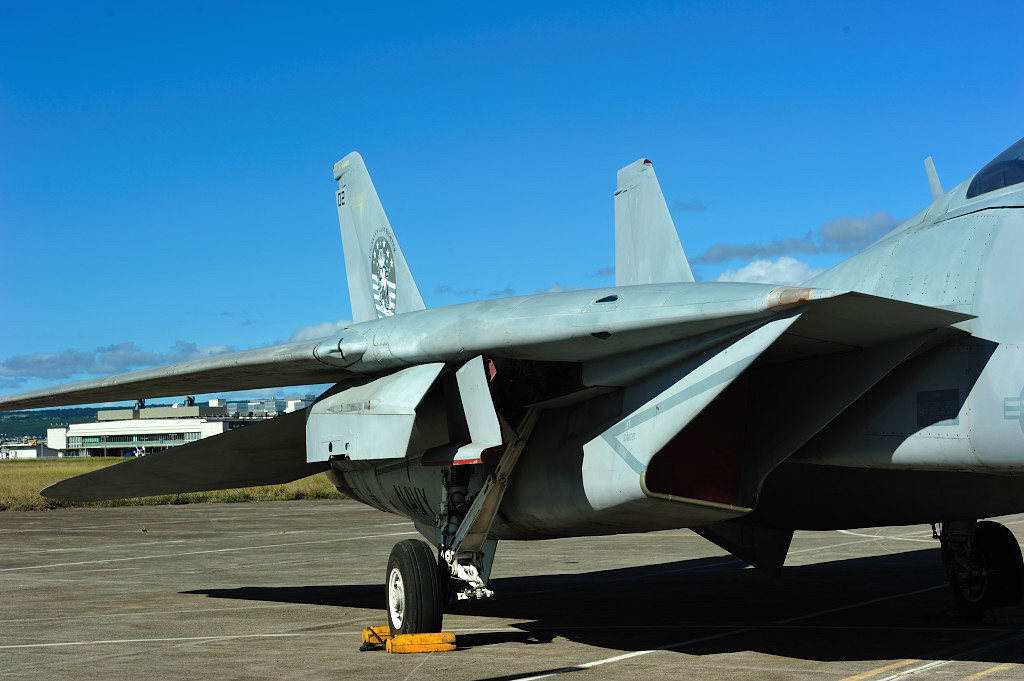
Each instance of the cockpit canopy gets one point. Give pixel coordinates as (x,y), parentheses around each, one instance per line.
(1004,170)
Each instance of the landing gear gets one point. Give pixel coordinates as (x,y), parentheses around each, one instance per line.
(464,551)
(414,589)
(983,564)
(418,584)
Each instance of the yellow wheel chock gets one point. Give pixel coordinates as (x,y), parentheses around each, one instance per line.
(377,638)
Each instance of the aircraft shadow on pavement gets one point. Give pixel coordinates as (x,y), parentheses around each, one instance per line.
(861,609)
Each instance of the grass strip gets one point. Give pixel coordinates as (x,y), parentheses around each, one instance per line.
(21,481)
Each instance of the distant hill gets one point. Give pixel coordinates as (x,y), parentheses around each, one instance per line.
(34,423)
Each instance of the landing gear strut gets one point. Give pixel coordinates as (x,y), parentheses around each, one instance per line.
(465,552)
(983,563)
(420,585)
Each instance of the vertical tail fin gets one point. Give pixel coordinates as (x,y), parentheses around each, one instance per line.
(380,283)
(647,247)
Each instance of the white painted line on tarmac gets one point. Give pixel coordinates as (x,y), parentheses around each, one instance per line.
(208,639)
(155,519)
(870,538)
(79,549)
(705,566)
(879,536)
(907,672)
(180,639)
(953,658)
(789,620)
(144,613)
(195,553)
(732,632)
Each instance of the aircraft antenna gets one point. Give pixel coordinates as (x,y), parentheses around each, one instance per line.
(933,179)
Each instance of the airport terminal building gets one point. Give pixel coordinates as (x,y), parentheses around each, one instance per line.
(140,431)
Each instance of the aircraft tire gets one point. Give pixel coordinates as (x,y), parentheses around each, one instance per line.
(995,550)
(414,594)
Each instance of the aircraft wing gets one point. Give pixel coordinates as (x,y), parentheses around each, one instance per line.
(280,365)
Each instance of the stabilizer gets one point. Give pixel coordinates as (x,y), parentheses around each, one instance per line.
(647,247)
(380,283)
(266,453)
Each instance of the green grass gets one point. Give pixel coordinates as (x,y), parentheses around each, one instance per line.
(21,481)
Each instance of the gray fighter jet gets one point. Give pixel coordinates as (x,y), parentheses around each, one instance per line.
(888,390)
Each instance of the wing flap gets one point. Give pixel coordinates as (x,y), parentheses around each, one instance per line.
(267,453)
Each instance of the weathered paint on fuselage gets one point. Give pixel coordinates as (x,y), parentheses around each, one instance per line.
(958,255)
(963,255)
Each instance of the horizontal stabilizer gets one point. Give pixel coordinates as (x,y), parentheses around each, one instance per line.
(647,247)
(266,453)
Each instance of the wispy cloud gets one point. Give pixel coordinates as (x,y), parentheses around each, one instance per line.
(445,289)
(785,270)
(692,204)
(607,271)
(554,288)
(507,291)
(841,235)
(104,360)
(319,330)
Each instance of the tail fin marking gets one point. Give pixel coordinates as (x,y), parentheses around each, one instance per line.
(380,283)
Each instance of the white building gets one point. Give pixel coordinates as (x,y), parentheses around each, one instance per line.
(130,432)
(32,449)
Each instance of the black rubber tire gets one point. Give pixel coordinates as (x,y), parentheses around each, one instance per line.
(995,549)
(414,595)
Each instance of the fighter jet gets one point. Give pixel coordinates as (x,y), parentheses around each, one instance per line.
(888,390)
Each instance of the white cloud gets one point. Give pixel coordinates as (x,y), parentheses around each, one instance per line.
(110,359)
(47,364)
(319,330)
(785,270)
(840,235)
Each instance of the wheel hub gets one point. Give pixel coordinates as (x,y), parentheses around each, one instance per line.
(396,598)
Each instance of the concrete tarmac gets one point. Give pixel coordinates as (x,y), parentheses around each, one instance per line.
(282,591)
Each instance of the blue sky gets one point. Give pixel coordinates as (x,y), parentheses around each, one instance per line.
(165,171)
